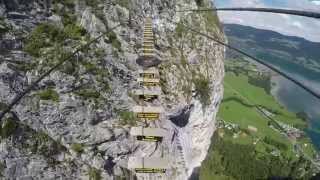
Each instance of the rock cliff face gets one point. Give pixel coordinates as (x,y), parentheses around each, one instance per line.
(75,124)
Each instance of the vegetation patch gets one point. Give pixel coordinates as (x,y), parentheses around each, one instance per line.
(49,94)
(302,115)
(90,67)
(199,2)
(74,31)
(28,140)
(4,28)
(3,106)
(44,35)
(127,118)
(88,93)
(263,81)
(212,21)
(2,167)
(93,3)
(261,151)
(281,146)
(94,174)
(112,39)
(202,89)
(242,161)
(9,126)
(45,145)
(47,35)
(69,68)
(180,30)
(77,147)
(68,3)
(183,61)
(123,3)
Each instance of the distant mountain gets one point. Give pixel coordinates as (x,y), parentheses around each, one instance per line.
(269,44)
(295,56)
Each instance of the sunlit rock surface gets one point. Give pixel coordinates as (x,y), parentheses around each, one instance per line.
(77,134)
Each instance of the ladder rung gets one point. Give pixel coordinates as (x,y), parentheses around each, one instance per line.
(148,54)
(149,170)
(150,45)
(148,49)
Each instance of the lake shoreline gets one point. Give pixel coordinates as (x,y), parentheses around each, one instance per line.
(295,100)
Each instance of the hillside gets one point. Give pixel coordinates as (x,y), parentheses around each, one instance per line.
(296,56)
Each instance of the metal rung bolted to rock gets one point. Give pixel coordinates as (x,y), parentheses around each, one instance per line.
(148,134)
(147,112)
(148,82)
(146,94)
(150,73)
(148,165)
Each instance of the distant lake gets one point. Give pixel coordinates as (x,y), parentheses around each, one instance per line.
(295,99)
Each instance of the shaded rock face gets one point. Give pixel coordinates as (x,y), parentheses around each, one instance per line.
(74,123)
(25,5)
(181,119)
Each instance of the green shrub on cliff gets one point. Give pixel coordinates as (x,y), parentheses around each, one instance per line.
(94,174)
(88,93)
(127,118)
(77,147)
(112,38)
(44,35)
(123,3)
(47,35)
(8,128)
(49,94)
(202,89)
(74,31)
(3,27)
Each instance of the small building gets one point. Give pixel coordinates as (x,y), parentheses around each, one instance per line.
(147,112)
(148,165)
(148,134)
(252,129)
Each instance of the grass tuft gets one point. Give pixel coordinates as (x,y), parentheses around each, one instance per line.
(9,126)
(77,147)
(203,90)
(127,118)
(49,94)
(94,174)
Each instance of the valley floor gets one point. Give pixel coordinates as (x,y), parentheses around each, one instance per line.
(257,137)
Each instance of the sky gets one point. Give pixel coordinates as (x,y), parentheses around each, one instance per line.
(307,28)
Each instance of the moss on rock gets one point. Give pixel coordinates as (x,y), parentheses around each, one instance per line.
(8,127)
(94,174)
(49,94)
(77,147)
(202,88)
(127,118)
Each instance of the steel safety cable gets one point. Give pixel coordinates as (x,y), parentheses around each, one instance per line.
(303,13)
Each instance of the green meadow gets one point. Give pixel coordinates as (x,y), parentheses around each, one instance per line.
(241,153)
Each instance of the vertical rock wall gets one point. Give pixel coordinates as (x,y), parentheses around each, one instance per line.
(83,125)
